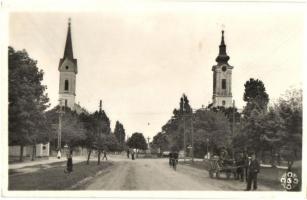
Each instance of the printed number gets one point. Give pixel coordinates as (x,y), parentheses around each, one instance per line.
(288,187)
(295,180)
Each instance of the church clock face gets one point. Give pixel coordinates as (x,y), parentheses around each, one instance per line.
(224,68)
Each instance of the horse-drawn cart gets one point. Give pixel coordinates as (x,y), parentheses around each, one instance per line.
(218,166)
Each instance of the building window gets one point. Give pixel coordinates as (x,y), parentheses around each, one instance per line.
(66,67)
(223,103)
(65,102)
(66,85)
(223,83)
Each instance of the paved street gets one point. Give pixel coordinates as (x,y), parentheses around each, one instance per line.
(155,174)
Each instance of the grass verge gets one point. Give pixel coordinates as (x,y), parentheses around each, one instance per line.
(54,178)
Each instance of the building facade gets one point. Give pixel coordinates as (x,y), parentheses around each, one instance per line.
(222,76)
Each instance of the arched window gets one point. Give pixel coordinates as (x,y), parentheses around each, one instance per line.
(223,83)
(66,85)
(223,103)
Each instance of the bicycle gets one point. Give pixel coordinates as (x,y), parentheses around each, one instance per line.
(174,163)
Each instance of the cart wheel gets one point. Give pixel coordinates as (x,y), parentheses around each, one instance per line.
(217,175)
(210,173)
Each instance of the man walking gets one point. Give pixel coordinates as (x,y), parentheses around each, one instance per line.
(253,170)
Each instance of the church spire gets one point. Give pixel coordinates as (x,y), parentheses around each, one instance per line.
(68,52)
(222,57)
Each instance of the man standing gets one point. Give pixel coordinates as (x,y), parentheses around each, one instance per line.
(69,164)
(104,155)
(132,154)
(128,153)
(253,170)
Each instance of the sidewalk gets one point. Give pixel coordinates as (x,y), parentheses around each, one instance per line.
(76,159)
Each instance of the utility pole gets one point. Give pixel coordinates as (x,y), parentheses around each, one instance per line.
(184,145)
(60,128)
(233,117)
(192,135)
(233,124)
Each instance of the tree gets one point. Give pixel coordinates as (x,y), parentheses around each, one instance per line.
(137,141)
(160,141)
(254,113)
(175,127)
(255,97)
(210,128)
(290,108)
(120,135)
(27,101)
(72,127)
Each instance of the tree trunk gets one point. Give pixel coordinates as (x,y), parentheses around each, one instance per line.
(21,153)
(273,158)
(89,156)
(99,152)
(262,156)
(33,152)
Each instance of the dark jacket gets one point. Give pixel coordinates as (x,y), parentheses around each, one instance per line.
(254,166)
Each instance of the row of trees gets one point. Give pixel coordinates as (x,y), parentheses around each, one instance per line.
(31,124)
(261,128)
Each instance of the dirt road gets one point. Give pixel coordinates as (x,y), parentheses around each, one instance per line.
(155,174)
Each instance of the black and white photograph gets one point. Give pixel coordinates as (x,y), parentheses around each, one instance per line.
(153,96)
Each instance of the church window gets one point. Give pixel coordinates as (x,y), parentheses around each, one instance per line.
(224,68)
(223,103)
(66,85)
(223,83)
(67,67)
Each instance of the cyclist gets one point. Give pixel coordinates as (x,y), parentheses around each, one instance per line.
(175,159)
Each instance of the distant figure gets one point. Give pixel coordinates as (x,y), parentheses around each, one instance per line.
(240,167)
(170,159)
(253,170)
(69,165)
(132,154)
(128,152)
(104,155)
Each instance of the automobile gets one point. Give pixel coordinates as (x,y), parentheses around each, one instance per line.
(165,154)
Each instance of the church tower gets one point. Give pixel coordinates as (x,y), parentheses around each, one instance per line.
(68,70)
(222,72)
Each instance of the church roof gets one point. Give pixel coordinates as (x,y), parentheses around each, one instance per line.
(222,57)
(68,51)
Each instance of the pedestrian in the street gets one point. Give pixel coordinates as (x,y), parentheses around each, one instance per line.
(132,154)
(69,165)
(104,155)
(240,163)
(253,170)
(128,152)
(246,161)
(170,158)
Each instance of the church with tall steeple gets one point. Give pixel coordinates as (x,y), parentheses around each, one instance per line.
(222,75)
(68,69)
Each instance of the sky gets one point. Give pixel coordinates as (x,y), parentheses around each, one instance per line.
(139,60)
